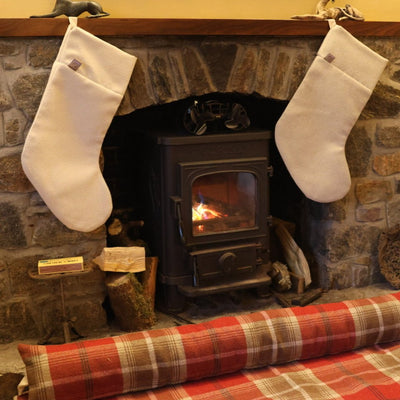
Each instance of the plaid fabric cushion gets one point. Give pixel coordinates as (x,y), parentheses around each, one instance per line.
(370,373)
(137,361)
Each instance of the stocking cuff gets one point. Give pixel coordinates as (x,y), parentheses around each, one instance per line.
(352,57)
(96,59)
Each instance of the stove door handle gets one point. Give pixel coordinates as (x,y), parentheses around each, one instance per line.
(180,223)
(178,214)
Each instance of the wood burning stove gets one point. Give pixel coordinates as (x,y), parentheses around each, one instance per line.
(209,213)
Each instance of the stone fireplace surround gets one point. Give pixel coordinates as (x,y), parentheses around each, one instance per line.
(340,239)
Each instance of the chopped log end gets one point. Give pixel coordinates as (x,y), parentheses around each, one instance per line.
(132,308)
(122,259)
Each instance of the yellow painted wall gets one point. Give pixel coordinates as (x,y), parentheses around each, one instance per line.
(373,10)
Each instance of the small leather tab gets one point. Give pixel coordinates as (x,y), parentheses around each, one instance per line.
(74,64)
(329,57)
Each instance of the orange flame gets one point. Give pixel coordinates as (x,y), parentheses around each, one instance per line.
(201,212)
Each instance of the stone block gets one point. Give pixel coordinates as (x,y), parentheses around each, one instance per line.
(358,152)
(14,127)
(16,320)
(4,283)
(12,234)
(264,72)
(50,232)
(372,191)
(9,48)
(12,63)
(219,58)
(89,314)
(5,99)
(12,177)
(138,94)
(241,80)
(88,284)
(388,137)
(20,281)
(163,86)
(178,75)
(370,213)
(393,213)
(335,211)
(42,53)
(340,276)
(28,90)
(387,164)
(196,71)
(384,103)
(343,243)
(280,79)
(349,274)
(300,66)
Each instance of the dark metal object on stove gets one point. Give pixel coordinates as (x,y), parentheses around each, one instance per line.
(213,114)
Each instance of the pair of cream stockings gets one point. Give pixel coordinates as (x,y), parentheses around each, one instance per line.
(61,153)
(312,131)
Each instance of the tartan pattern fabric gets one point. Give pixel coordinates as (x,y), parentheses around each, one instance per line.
(367,374)
(140,361)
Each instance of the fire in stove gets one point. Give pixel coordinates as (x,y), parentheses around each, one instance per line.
(223,201)
(201,212)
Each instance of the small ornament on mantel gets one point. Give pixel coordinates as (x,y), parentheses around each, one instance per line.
(338,13)
(74,9)
(122,259)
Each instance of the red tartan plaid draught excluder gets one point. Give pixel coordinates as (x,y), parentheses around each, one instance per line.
(348,350)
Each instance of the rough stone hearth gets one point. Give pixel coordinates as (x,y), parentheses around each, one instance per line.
(339,239)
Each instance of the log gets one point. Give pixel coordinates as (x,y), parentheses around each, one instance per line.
(297,282)
(280,277)
(281,299)
(124,233)
(132,308)
(148,279)
(122,259)
(307,298)
(294,256)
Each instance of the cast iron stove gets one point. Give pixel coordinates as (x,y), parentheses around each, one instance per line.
(208,212)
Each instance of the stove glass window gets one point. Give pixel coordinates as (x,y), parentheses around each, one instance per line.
(223,202)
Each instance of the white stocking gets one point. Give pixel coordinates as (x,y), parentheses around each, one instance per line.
(312,132)
(61,153)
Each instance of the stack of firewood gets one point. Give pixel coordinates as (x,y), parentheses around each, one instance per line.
(131,282)
(291,280)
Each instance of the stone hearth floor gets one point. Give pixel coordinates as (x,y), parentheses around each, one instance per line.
(199,311)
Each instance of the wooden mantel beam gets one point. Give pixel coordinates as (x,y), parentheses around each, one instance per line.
(27,27)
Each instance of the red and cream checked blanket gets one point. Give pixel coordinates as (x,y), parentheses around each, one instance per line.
(347,350)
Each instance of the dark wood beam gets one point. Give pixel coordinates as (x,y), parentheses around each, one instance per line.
(26,27)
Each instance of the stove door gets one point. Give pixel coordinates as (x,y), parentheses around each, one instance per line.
(223,200)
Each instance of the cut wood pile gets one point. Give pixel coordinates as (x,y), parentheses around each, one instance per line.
(291,277)
(131,283)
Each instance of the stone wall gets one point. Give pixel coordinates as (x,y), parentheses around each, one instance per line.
(28,230)
(340,238)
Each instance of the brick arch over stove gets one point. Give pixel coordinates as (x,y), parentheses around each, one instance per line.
(171,70)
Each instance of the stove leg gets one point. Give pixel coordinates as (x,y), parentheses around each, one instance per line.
(263,291)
